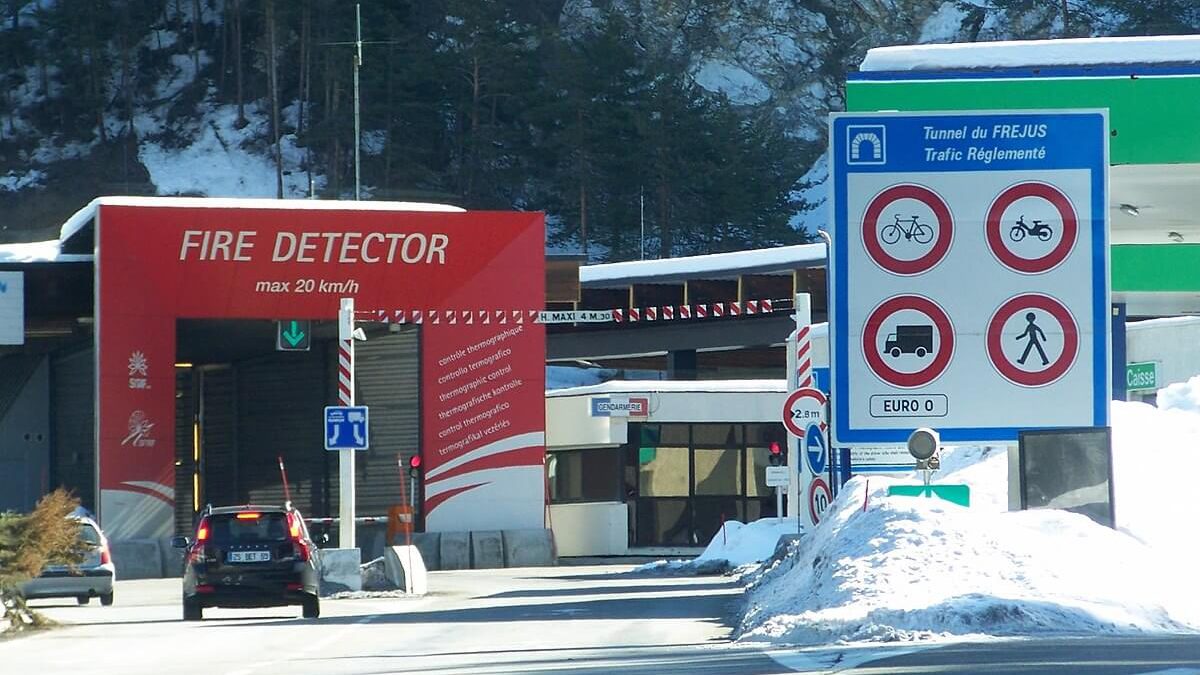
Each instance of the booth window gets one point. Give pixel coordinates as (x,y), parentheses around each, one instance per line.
(592,475)
(683,480)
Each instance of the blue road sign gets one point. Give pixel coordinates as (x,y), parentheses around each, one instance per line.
(346,427)
(969,277)
(814,449)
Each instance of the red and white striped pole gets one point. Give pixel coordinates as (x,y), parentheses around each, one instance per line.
(346,397)
(799,375)
(804,369)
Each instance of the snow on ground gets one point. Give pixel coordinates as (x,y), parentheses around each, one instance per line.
(915,568)
(908,569)
(219,163)
(736,82)
(735,544)
(742,543)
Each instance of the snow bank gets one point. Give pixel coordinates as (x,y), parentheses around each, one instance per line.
(735,544)
(742,543)
(914,568)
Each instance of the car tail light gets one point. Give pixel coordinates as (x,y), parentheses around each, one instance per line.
(205,588)
(296,532)
(295,587)
(198,551)
(105,557)
(249,516)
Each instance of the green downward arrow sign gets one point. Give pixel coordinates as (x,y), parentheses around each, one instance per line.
(293,334)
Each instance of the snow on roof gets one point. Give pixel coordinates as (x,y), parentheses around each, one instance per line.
(83,216)
(675,386)
(760,260)
(38,252)
(1025,53)
(1150,324)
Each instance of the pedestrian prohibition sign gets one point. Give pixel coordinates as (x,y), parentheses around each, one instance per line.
(801,408)
(1032,340)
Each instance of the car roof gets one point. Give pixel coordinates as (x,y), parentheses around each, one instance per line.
(221,510)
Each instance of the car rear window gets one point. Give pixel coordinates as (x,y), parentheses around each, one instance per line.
(227,528)
(89,534)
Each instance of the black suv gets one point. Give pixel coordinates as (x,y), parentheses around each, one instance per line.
(250,556)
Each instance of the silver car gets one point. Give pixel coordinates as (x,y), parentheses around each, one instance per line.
(92,578)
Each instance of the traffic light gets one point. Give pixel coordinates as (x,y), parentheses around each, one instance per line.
(776,456)
(414,466)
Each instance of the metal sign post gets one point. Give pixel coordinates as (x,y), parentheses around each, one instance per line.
(346,398)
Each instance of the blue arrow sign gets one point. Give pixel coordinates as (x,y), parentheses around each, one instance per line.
(346,427)
(814,449)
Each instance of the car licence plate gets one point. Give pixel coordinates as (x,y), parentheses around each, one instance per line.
(249,556)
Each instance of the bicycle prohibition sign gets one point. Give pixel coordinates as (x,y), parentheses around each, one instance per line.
(912,229)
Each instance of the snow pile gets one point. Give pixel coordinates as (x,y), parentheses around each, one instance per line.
(735,544)
(742,543)
(1181,396)
(1155,464)
(909,568)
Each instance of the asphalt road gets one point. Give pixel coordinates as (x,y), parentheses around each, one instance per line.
(547,620)
(594,620)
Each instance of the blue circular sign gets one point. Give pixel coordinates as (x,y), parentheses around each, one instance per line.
(814,449)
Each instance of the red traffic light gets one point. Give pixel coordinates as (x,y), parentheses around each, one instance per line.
(775,449)
(414,462)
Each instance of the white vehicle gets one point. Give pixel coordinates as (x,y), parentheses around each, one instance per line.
(91,578)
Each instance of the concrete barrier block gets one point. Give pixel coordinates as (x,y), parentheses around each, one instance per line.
(429,544)
(375,576)
(406,569)
(172,558)
(454,551)
(487,549)
(528,548)
(340,570)
(137,558)
(371,539)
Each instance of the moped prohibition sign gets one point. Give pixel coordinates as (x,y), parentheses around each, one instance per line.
(803,407)
(1006,235)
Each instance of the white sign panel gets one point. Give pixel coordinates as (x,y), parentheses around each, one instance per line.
(777,476)
(970,274)
(12,308)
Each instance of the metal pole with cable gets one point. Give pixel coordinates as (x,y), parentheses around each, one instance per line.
(357,124)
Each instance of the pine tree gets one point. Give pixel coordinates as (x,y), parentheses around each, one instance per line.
(28,543)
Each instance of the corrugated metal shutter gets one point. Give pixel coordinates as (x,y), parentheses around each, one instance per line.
(73,405)
(280,408)
(185,401)
(386,372)
(218,416)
